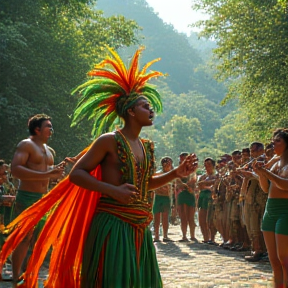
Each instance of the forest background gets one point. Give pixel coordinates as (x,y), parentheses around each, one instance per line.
(225,88)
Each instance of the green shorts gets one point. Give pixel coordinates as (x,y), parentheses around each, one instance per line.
(161,204)
(24,199)
(185,197)
(275,218)
(204,199)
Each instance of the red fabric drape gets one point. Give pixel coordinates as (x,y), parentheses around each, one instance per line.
(66,228)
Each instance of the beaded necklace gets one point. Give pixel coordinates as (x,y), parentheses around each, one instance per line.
(138,168)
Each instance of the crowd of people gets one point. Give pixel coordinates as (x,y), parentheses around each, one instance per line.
(104,207)
(227,194)
(232,199)
(228,197)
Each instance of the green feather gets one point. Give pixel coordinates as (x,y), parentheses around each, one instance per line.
(110,86)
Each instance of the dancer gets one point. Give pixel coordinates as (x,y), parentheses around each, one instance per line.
(87,228)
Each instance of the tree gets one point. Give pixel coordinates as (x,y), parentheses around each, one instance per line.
(45,52)
(252,48)
(179,59)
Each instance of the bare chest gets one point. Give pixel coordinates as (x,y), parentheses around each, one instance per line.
(41,158)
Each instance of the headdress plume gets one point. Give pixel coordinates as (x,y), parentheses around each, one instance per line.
(113,89)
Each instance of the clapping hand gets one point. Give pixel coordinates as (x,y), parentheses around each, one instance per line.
(188,166)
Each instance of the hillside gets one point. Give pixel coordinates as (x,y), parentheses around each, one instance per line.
(183,62)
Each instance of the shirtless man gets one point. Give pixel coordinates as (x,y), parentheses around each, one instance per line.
(162,202)
(275,219)
(206,184)
(186,202)
(33,165)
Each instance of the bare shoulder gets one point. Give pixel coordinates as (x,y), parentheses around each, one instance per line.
(26,145)
(100,148)
(105,141)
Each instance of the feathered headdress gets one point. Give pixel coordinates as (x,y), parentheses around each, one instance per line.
(114,89)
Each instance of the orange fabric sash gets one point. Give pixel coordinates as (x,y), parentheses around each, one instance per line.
(65,230)
(139,217)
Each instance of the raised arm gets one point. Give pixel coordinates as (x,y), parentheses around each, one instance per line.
(263,179)
(279,181)
(188,166)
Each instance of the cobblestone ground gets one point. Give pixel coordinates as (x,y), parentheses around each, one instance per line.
(187,265)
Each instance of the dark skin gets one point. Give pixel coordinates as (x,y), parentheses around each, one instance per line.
(104,152)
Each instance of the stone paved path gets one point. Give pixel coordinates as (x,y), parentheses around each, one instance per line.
(189,265)
(197,265)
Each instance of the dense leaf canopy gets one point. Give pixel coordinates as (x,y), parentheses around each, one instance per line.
(46,49)
(253,52)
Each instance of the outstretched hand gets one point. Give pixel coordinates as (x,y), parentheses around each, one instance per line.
(188,166)
(61,165)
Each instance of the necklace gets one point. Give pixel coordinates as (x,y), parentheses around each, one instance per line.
(138,167)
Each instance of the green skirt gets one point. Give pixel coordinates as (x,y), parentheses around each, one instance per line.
(185,197)
(24,200)
(205,199)
(113,240)
(161,204)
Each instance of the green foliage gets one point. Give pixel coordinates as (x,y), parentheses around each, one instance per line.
(228,137)
(188,124)
(179,59)
(46,48)
(253,52)
(46,51)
